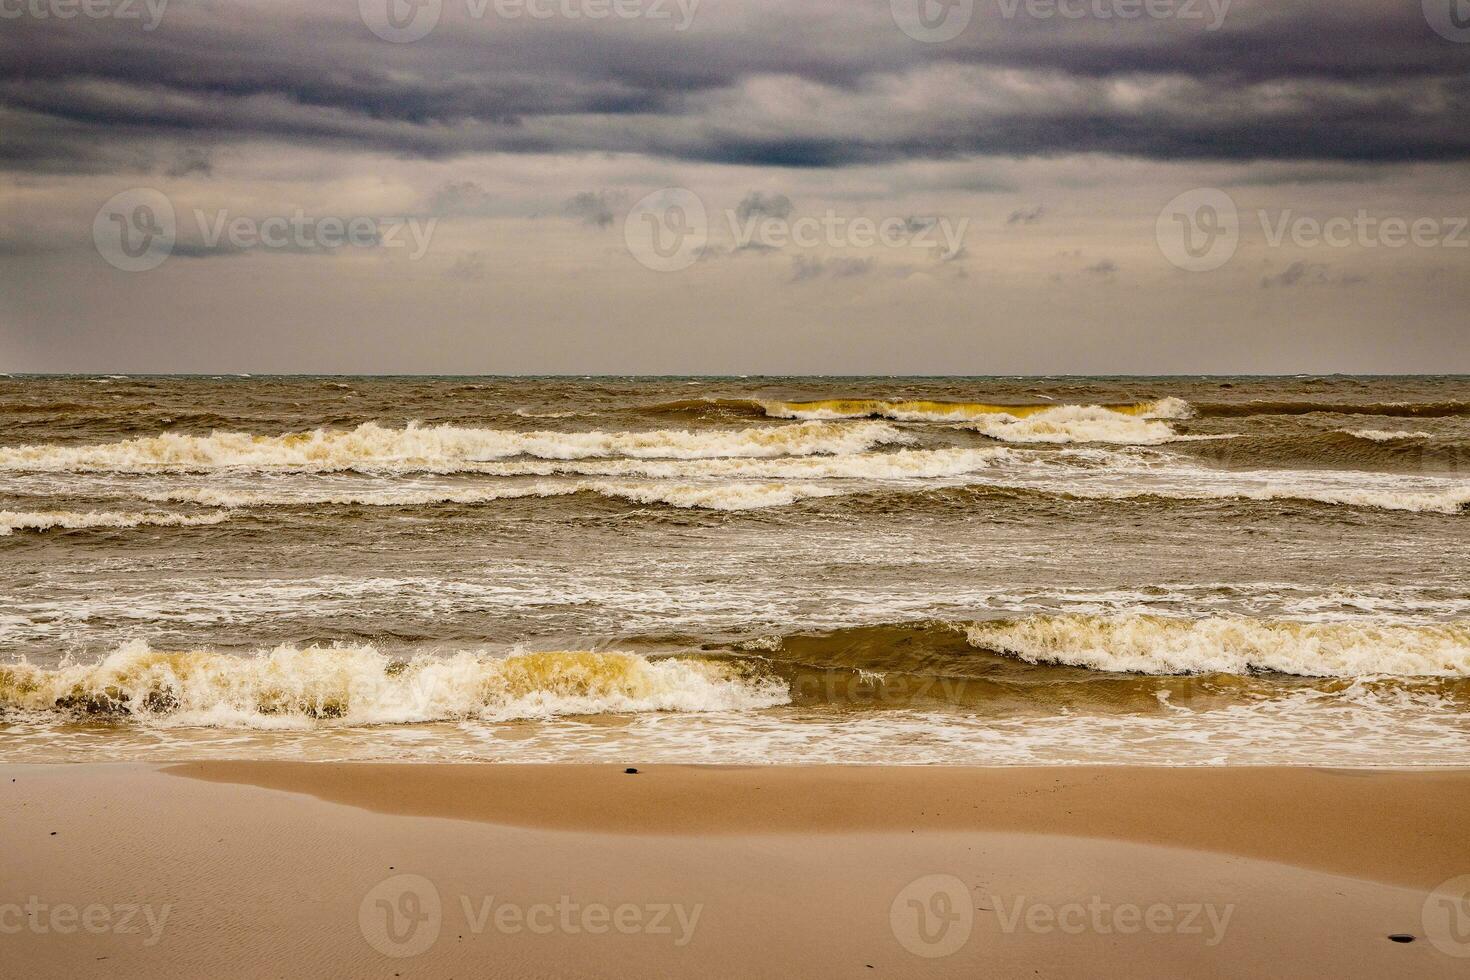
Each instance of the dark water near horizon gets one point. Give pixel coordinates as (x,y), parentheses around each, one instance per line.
(990,570)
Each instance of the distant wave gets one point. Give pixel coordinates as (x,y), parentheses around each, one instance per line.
(832,409)
(939,411)
(963,497)
(704,496)
(1385,435)
(436,449)
(1079,423)
(12,521)
(1133,423)
(292,688)
(1427,410)
(1161,645)
(1366,449)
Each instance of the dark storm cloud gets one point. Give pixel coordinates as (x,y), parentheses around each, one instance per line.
(760,83)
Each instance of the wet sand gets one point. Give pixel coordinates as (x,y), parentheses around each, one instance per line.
(244,869)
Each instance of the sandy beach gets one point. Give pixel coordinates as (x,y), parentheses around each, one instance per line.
(242,869)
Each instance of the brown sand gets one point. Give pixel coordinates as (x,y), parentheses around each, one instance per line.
(760,872)
(1403,828)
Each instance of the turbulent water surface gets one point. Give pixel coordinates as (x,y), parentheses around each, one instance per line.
(975,570)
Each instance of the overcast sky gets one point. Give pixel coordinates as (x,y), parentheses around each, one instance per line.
(735,186)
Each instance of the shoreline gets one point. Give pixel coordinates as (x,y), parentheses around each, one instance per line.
(268,869)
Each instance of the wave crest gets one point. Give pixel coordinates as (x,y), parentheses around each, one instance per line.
(291,688)
(1148,644)
(436,449)
(12,521)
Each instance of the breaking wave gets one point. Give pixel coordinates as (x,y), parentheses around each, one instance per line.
(703,496)
(1425,410)
(12,521)
(293,688)
(436,449)
(937,411)
(1149,644)
(1447,501)
(1077,423)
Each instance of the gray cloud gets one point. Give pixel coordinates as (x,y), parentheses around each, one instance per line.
(766,206)
(1026,216)
(1284,80)
(591,208)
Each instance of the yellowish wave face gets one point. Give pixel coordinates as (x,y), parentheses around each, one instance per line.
(290,687)
(936,411)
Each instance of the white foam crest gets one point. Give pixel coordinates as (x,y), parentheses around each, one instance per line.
(438,449)
(295,688)
(1415,501)
(1386,435)
(12,521)
(706,496)
(1150,644)
(936,411)
(897,465)
(1077,423)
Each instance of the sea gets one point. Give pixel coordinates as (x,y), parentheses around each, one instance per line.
(986,570)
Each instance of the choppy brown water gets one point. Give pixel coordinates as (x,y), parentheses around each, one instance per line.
(926,570)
